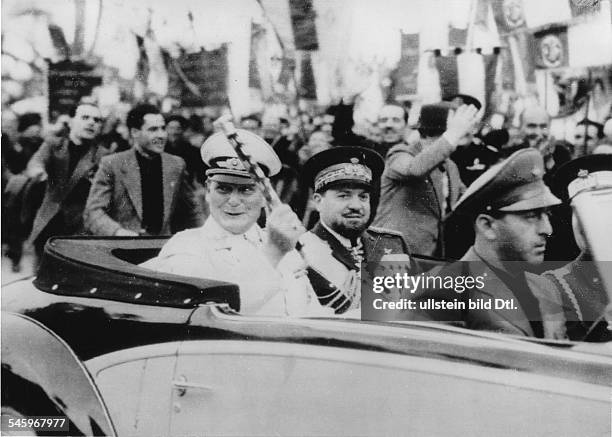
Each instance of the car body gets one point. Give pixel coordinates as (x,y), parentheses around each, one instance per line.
(121,350)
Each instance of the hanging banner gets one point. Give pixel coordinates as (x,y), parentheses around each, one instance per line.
(69,82)
(59,41)
(175,87)
(303,24)
(308,88)
(490,66)
(551,48)
(405,81)
(457,37)
(509,15)
(257,36)
(142,64)
(584,7)
(208,71)
(449,78)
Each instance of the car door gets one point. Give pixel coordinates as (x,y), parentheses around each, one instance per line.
(242,387)
(136,384)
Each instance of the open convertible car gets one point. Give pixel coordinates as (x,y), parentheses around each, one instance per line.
(120,350)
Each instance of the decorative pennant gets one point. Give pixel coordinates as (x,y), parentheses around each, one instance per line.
(551,48)
(457,37)
(584,7)
(449,77)
(406,75)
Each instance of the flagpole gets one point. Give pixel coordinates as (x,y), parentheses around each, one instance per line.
(586,113)
(470,28)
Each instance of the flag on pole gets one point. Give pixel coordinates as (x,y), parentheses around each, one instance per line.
(551,47)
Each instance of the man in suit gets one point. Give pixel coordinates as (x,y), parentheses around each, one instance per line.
(142,190)
(420,183)
(345,183)
(67,162)
(508,206)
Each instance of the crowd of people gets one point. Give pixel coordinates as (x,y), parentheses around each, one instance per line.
(449,188)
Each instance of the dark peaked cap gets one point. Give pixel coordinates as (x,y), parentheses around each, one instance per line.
(514,184)
(356,165)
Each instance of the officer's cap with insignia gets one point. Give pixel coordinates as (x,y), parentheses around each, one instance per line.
(225,166)
(343,165)
(513,185)
(591,172)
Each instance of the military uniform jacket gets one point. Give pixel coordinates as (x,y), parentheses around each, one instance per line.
(583,295)
(508,321)
(212,252)
(377,245)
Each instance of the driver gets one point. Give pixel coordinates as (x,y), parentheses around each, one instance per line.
(230,246)
(508,208)
(579,282)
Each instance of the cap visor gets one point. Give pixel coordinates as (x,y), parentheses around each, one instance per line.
(232,179)
(543,200)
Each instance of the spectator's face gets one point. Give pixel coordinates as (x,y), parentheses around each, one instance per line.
(535,125)
(591,140)
(346,209)
(521,236)
(151,137)
(33,131)
(236,207)
(391,123)
(174,131)
(86,123)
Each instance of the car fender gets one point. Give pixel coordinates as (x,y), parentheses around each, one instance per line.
(41,376)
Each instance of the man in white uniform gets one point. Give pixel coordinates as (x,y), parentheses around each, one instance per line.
(230,246)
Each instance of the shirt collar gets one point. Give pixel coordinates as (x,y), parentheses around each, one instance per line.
(214,230)
(343,240)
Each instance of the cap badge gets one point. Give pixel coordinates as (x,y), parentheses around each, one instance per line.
(231,164)
(583,173)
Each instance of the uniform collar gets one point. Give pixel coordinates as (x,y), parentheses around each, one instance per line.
(212,229)
(343,240)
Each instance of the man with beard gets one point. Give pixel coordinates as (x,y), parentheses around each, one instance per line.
(142,190)
(345,183)
(508,207)
(67,163)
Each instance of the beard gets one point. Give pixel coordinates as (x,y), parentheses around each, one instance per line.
(352,232)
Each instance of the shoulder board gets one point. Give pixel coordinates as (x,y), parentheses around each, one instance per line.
(384,231)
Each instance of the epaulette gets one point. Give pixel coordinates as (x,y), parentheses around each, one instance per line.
(379,230)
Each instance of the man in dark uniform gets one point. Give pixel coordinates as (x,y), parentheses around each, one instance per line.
(579,282)
(345,182)
(508,206)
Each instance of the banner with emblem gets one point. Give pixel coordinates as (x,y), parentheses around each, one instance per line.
(406,75)
(551,47)
(509,15)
